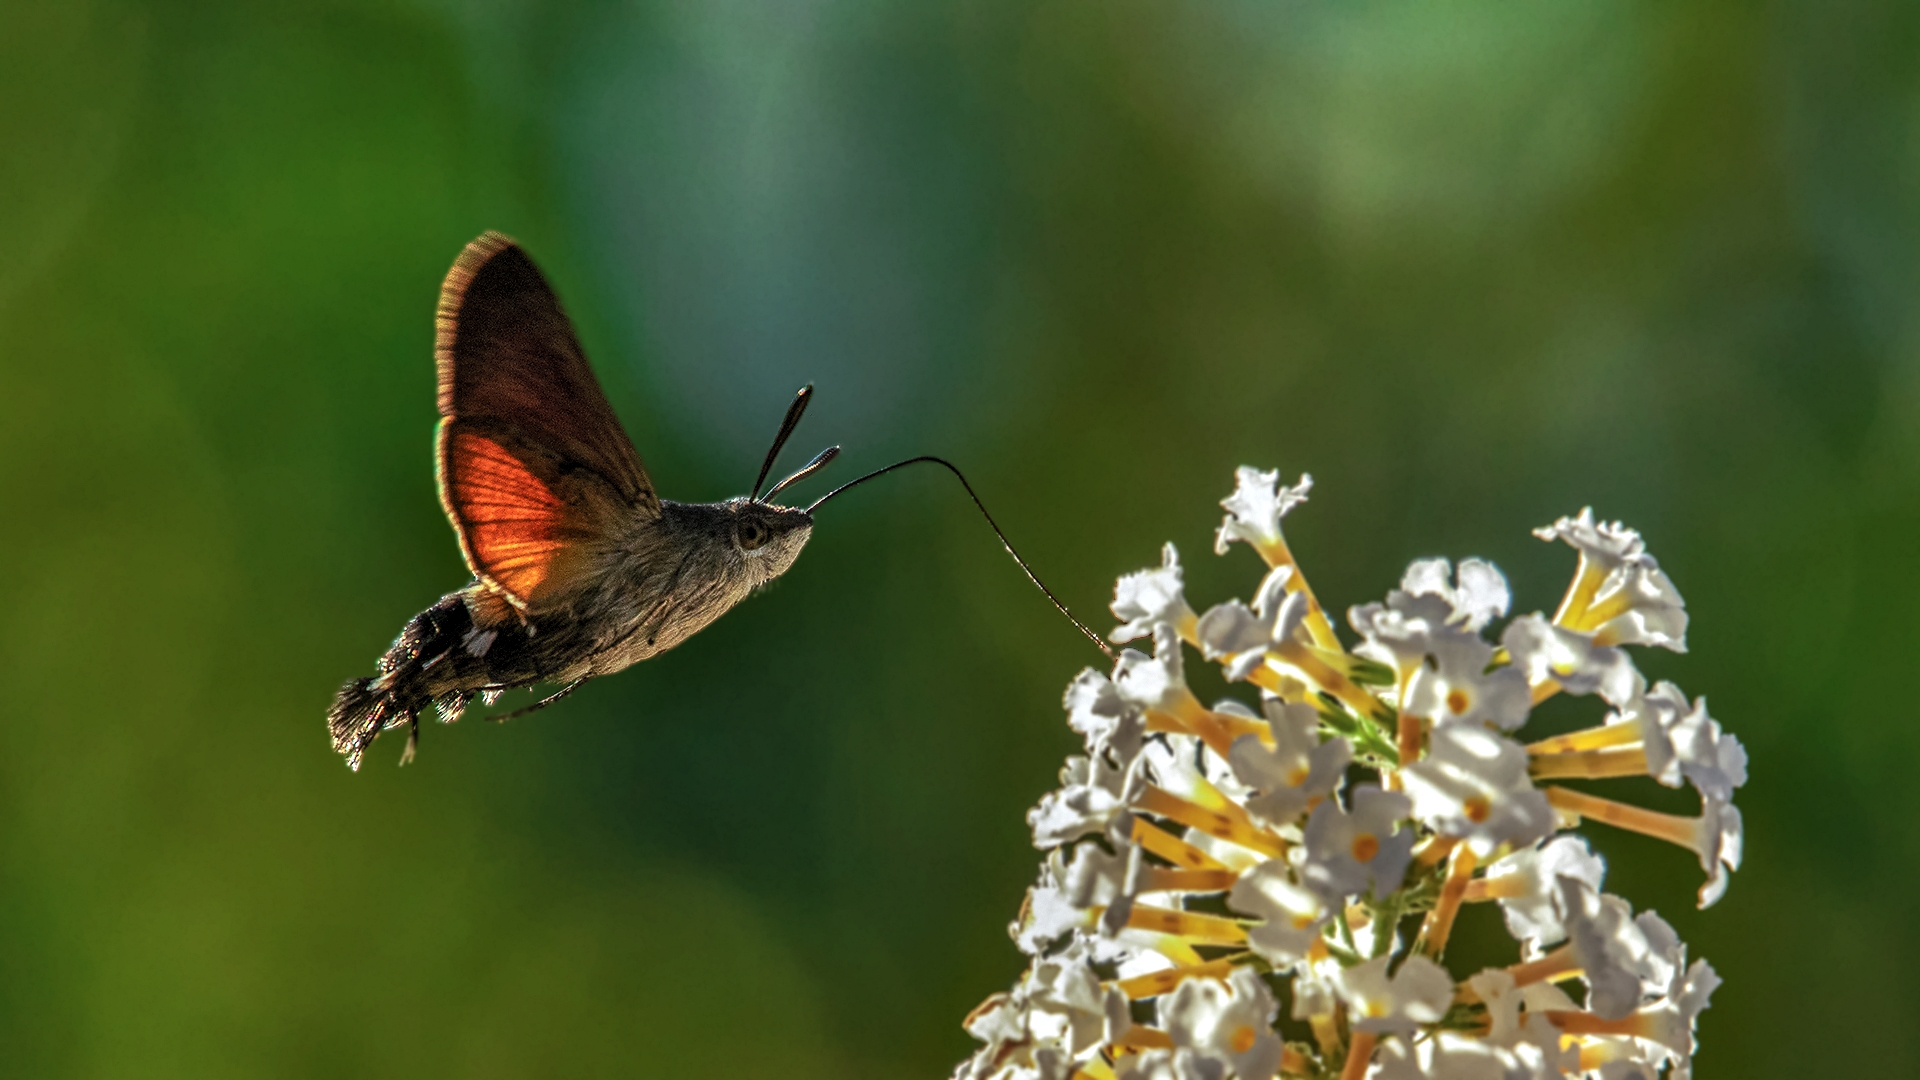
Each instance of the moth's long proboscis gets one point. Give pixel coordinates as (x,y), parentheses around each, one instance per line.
(994,525)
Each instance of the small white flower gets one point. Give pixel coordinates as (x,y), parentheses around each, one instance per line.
(1093,791)
(1663,1031)
(1093,788)
(1148,598)
(1293,916)
(1671,1022)
(1239,636)
(1606,546)
(1067,1004)
(1348,853)
(1000,1022)
(1718,841)
(1255,508)
(1694,746)
(1216,768)
(1473,785)
(1543,651)
(1171,761)
(1527,885)
(1419,993)
(1651,713)
(1615,956)
(1000,1018)
(1454,686)
(1399,633)
(1480,596)
(1668,952)
(1096,710)
(1230,1022)
(1049,912)
(1531,1034)
(1620,595)
(1097,878)
(1682,742)
(1045,916)
(1299,769)
(1056,1013)
(1156,682)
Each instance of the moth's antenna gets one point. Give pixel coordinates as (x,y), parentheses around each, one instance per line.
(819,462)
(786,428)
(1004,542)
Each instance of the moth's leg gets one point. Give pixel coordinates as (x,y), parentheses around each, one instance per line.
(542,703)
(413,738)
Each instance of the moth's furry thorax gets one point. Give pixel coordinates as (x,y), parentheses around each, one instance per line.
(669,576)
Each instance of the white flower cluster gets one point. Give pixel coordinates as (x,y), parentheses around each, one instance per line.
(1210,869)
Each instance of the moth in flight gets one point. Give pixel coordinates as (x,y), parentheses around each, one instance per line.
(579,568)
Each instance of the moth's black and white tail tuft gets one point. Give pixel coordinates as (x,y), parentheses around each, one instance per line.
(359,713)
(365,707)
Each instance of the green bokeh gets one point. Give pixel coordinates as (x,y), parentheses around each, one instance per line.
(1471,266)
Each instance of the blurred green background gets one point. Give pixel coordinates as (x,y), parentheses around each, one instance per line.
(1472,265)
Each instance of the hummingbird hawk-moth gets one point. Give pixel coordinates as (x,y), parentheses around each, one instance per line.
(579,568)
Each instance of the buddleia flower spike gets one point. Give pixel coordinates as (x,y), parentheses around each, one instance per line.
(1266,886)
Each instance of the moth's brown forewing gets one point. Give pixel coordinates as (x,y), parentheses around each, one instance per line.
(533,464)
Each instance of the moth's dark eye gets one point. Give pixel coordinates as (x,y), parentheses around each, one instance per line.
(752,534)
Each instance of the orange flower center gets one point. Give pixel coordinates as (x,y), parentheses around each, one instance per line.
(1478,809)
(1458,701)
(1243,1038)
(1365,847)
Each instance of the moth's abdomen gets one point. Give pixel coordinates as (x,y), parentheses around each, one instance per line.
(437,656)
